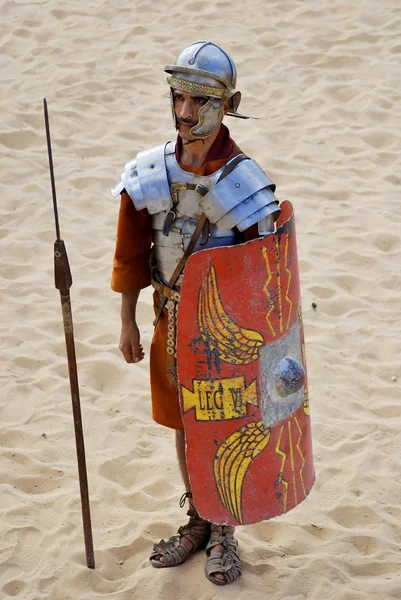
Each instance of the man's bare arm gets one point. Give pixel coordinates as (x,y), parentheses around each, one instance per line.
(130,344)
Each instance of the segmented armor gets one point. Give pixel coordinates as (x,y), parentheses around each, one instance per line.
(176,200)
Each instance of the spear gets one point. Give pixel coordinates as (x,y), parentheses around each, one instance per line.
(63,282)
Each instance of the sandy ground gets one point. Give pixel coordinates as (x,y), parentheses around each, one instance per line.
(324,78)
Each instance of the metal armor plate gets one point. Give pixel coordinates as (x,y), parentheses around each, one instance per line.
(241,199)
(242,379)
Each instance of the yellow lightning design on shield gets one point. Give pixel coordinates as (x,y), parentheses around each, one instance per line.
(280,300)
(301,474)
(288,282)
(294,481)
(284,457)
(266,291)
(283,461)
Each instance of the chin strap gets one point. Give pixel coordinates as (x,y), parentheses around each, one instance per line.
(192,141)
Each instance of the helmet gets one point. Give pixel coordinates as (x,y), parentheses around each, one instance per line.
(204,68)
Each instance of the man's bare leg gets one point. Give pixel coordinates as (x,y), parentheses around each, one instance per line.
(200,529)
(180,447)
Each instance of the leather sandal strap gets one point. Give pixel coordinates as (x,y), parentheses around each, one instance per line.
(219,534)
(197,538)
(172,551)
(226,563)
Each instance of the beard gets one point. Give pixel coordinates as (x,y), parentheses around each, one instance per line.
(184,129)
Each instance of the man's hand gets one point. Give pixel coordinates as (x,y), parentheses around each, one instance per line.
(130,344)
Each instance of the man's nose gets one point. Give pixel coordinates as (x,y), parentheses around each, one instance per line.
(187,109)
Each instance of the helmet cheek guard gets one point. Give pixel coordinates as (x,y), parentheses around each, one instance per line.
(210,116)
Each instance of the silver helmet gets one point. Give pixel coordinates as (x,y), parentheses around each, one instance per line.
(204,68)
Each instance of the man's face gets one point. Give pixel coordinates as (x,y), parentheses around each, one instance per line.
(186,108)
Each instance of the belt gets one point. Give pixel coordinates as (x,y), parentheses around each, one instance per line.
(166,291)
(172,298)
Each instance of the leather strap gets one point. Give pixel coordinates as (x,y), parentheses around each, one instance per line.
(181,264)
(172,213)
(230,167)
(196,234)
(167,291)
(164,290)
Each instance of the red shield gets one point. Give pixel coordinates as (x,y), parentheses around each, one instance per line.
(242,379)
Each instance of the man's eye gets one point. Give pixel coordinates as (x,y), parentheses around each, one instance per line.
(201,101)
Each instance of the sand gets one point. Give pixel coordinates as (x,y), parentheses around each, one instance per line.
(323,78)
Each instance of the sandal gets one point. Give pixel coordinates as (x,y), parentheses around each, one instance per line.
(225,562)
(173,551)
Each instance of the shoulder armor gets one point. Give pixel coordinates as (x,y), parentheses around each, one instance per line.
(145,180)
(242,198)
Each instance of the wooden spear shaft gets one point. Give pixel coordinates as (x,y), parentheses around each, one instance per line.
(63,282)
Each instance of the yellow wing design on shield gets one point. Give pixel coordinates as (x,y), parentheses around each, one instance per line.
(232,461)
(235,345)
(238,346)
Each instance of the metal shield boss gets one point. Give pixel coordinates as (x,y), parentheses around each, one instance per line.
(242,379)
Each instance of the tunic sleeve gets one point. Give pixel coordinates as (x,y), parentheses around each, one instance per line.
(131,269)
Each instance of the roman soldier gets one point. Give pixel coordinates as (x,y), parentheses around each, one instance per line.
(223,367)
